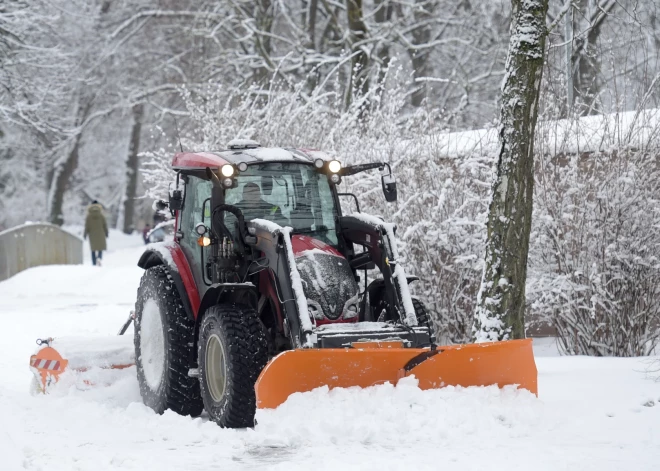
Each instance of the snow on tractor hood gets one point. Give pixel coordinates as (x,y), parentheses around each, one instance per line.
(327,279)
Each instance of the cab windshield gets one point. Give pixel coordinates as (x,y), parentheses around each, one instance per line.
(288,194)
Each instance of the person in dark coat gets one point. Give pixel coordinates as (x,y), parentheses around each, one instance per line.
(97,229)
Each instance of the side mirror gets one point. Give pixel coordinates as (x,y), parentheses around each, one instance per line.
(389,187)
(176,200)
(159,205)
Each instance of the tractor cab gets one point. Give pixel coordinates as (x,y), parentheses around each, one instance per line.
(289,194)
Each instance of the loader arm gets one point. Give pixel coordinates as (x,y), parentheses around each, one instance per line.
(272,240)
(373,235)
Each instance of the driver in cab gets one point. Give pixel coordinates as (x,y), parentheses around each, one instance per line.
(255,207)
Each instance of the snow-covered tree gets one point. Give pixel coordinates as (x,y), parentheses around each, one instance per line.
(500,312)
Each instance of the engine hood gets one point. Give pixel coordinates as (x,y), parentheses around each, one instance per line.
(328,281)
(303,243)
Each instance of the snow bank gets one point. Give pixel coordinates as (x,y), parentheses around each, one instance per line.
(636,129)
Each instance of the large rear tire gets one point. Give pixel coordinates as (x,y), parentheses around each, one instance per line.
(232,351)
(164,339)
(421,313)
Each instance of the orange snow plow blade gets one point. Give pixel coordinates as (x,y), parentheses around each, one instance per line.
(79,355)
(370,363)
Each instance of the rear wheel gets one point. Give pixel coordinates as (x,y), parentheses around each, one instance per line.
(164,338)
(232,351)
(423,318)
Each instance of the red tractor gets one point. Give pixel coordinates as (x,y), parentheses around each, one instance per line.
(265,267)
(260,295)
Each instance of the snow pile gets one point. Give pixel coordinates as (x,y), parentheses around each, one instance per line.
(403,415)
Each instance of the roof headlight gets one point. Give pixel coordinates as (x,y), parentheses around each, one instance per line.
(334,178)
(201,229)
(227,170)
(318,163)
(242,166)
(228,182)
(334,166)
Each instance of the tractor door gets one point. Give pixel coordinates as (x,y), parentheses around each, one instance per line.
(196,209)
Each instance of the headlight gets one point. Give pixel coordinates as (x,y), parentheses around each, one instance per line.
(227,170)
(200,228)
(318,163)
(204,241)
(242,166)
(334,166)
(228,182)
(334,178)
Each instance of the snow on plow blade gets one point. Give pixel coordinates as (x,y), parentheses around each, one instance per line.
(370,363)
(55,356)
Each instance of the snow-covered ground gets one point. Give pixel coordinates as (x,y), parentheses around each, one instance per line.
(591,414)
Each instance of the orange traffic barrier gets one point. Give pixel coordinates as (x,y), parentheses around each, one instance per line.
(50,362)
(371,363)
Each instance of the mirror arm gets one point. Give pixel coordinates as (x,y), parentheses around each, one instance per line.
(353,169)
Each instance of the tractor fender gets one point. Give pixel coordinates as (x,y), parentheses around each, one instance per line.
(232,293)
(170,255)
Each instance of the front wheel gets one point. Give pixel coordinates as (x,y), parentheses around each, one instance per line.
(232,351)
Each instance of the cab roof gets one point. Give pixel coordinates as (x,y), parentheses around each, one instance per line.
(249,155)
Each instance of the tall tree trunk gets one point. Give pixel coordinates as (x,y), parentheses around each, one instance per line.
(264,21)
(312,76)
(310,26)
(586,55)
(61,176)
(500,312)
(359,83)
(132,170)
(383,15)
(418,55)
(62,170)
